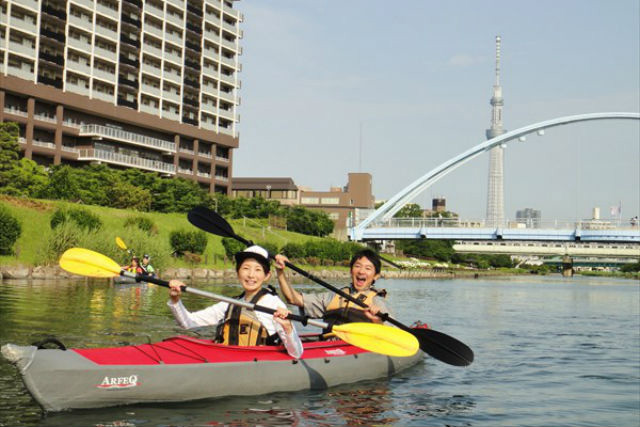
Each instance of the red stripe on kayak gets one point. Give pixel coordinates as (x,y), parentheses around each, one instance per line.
(188,350)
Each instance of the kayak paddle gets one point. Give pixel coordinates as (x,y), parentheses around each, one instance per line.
(438,345)
(372,337)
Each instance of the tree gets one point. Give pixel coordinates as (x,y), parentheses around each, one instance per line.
(128,196)
(10,230)
(442,250)
(410,210)
(25,178)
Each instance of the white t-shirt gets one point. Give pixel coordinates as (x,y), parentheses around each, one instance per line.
(214,314)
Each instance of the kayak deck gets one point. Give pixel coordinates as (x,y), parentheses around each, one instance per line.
(188,350)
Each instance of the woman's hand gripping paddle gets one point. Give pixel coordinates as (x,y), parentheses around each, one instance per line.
(437,344)
(372,337)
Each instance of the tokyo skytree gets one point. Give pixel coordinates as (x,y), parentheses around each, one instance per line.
(495,193)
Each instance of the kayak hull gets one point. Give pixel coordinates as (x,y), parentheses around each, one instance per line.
(184,368)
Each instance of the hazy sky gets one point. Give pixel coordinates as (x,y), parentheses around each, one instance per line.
(416,76)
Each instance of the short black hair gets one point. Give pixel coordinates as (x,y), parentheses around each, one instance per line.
(370,255)
(241,257)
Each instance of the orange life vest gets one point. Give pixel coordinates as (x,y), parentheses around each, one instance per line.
(341,310)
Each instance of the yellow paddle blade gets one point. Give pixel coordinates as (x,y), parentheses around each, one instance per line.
(88,263)
(378,338)
(121,243)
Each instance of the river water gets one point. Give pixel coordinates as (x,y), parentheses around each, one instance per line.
(549,351)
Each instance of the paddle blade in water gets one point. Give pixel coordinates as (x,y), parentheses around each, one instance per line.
(210,221)
(85,262)
(443,347)
(121,243)
(377,338)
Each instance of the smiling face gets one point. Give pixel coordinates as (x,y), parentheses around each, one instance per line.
(251,275)
(363,273)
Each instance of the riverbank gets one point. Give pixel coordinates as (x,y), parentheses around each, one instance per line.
(21,272)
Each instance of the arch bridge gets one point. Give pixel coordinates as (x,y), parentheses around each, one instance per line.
(380,225)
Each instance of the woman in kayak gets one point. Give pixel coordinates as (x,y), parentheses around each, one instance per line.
(365,270)
(238,325)
(134,266)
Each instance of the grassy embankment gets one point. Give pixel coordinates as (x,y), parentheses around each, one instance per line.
(35,216)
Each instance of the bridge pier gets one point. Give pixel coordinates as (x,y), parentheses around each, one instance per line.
(567,266)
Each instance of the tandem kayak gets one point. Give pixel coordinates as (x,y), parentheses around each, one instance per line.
(184,368)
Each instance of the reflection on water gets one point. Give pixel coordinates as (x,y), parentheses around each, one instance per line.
(549,351)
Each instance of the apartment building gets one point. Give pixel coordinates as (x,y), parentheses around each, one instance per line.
(148,84)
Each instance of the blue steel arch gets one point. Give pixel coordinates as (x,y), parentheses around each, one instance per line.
(396,203)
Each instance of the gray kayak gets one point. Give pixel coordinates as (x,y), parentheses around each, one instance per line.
(184,368)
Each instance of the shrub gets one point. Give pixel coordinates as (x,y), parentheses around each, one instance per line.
(188,241)
(83,219)
(143,223)
(272,248)
(231,246)
(294,250)
(64,236)
(631,268)
(10,230)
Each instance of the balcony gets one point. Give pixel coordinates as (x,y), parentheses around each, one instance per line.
(204,174)
(192,102)
(189,121)
(80,44)
(131,104)
(192,64)
(105,53)
(50,82)
(58,13)
(22,49)
(195,10)
(150,89)
(229,27)
(130,62)
(85,24)
(227,114)
(191,83)
(27,26)
(228,78)
(31,4)
(46,144)
(172,96)
(106,11)
(230,44)
(128,40)
(77,88)
(154,10)
(103,96)
(79,67)
(171,76)
(53,34)
(131,20)
(55,59)
(195,28)
(15,111)
(122,160)
(109,76)
(99,132)
(127,82)
(45,118)
(153,30)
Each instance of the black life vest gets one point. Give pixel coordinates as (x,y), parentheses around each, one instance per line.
(242,327)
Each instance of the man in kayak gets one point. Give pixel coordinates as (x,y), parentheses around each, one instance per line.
(238,325)
(365,270)
(147,267)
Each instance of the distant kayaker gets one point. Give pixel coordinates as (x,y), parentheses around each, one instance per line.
(134,266)
(238,325)
(146,265)
(365,270)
